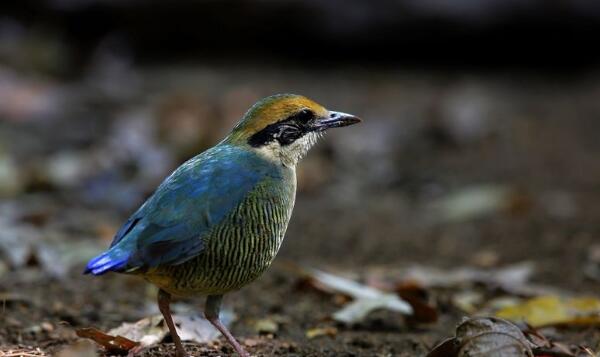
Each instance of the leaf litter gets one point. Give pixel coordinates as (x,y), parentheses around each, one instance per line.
(519,300)
(152,330)
(554,310)
(496,337)
(365,298)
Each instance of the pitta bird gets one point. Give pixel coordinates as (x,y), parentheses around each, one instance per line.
(216,223)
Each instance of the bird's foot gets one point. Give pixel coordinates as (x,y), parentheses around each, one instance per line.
(135,351)
(180,351)
(240,350)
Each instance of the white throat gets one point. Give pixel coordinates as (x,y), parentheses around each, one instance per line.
(289,155)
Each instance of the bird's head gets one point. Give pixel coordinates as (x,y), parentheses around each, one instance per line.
(284,127)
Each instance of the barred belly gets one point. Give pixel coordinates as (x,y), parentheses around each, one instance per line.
(237,250)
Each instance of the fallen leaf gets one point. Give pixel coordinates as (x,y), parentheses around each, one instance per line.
(554,310)
(366,298)
(494,344)
(473,327)
(424,309)
(358,310)
(147,331)
(485,337)
(196,328)
(113,344)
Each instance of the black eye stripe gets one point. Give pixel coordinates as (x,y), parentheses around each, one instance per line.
(285,131)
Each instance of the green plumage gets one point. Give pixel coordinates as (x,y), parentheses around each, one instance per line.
(241,247)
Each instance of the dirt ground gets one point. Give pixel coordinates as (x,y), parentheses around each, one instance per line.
(364,200)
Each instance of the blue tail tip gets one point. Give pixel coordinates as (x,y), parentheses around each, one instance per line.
(104,263)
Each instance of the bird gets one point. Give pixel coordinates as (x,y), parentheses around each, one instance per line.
(216,223)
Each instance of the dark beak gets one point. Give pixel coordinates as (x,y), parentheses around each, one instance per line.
(335,120)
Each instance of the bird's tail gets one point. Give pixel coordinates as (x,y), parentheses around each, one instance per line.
(114,259)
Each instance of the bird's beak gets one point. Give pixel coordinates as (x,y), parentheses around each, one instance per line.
(335,120)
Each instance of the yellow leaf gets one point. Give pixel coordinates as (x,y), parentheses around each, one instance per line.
(554,310)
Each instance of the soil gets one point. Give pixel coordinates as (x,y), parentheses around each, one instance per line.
(536,145)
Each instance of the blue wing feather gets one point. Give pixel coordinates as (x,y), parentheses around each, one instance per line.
(168,229)
(126,228)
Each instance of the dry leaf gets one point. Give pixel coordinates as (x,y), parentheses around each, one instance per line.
(424,309)
(147,331)
(494,344)
(113,344)
(554,310)
(367,299)
(473,327)
(485,337)
(196,328)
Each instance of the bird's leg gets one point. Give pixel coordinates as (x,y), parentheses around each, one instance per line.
(211,311)
(164,301)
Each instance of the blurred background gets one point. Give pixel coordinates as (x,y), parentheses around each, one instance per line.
(479,146)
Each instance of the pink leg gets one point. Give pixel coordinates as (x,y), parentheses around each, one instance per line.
(164,301)
(211,311)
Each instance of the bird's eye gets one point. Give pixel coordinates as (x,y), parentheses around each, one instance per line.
(288,134)
(304,115)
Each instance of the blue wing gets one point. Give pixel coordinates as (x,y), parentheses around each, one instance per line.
(168,228)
